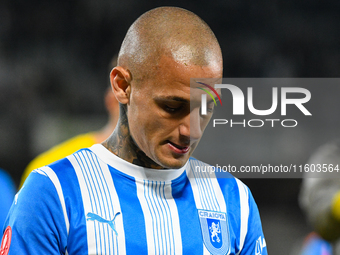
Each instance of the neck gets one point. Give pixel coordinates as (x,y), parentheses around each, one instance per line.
(122,144)
(106,131)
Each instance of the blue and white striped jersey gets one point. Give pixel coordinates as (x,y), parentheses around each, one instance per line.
(93,202)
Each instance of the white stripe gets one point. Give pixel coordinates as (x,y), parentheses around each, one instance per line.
(149,223)
(205,251)
(207,192)
(162,227)
(244,204)
(53,177)
(174,217)
(99,197)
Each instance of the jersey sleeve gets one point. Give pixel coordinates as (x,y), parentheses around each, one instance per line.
(36,218)
(6,195)
(255,242)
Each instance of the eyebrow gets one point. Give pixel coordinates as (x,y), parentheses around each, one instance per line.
(173,98)
(211,81)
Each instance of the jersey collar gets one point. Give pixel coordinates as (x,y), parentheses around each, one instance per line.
(138,172)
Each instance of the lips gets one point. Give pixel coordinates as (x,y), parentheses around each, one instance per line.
(178,148)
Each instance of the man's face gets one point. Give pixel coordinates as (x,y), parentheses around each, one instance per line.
(164,112)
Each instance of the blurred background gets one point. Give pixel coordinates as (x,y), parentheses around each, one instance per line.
(54,58)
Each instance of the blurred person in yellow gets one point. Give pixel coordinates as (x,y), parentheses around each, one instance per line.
(320,199)
(80,141)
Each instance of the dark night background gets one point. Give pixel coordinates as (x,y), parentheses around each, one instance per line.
(54,58)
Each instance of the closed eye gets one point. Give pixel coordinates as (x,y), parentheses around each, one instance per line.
(172,109)
(173,105)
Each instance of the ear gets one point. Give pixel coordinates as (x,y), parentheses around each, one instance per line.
(120,79)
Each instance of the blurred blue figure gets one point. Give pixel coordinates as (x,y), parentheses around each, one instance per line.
(7,193)
(315,245)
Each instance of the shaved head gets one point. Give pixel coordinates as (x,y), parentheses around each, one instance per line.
(172,32)
(162,50)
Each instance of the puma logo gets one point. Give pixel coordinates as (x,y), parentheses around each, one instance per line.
(95,217)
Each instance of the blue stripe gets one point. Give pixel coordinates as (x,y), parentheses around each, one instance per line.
(76,243)
(232,197)
(158,216)
(191,233)
(133,217)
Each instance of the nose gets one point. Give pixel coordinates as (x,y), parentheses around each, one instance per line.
(191,126)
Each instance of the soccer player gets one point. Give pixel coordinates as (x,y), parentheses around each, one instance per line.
(138,192)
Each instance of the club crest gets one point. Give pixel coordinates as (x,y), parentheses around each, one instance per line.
(215,232)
